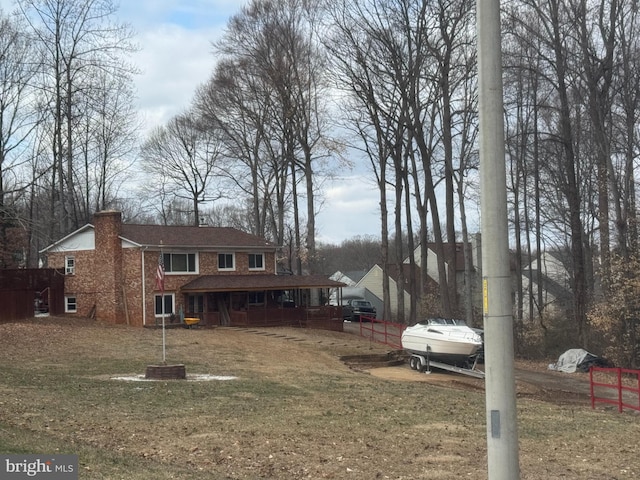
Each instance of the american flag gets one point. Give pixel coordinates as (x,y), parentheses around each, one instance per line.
(160,273)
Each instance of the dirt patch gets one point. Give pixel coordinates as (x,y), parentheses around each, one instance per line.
(531,381)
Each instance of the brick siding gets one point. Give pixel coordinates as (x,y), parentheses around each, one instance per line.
(108,280)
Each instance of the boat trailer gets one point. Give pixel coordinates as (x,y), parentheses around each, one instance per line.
(423,364)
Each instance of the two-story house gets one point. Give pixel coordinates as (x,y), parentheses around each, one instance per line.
(221,275)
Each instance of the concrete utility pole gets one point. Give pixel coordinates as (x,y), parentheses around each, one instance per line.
(502,422)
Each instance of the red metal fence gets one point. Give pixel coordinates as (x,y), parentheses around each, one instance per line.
(622,384)
(380,331)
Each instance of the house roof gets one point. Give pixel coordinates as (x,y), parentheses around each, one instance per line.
(355,275)
(190,236)
(459,253)
(394,271)
(160,236)
(222,283)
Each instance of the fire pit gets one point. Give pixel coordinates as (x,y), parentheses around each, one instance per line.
(166,372)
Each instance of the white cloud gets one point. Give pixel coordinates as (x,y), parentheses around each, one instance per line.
(176,56)
(174,61)
(176,53)
(350,210)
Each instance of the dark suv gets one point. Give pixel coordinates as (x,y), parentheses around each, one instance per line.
(356,308)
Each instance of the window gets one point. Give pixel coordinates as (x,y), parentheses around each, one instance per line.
(70,304)
(180,263)
(70,265)
(256,298)
(164,310)
(195,303)
(225,261)
(256,261)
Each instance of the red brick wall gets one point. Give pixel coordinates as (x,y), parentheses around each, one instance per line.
(209,264)
(83,284)
(108,281)
(132,281)
(108,263)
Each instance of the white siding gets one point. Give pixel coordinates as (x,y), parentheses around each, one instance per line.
(80,240)
(372,281)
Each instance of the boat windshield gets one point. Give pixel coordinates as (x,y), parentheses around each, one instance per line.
(443,321)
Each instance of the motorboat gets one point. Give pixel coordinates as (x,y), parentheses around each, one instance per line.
(442,339)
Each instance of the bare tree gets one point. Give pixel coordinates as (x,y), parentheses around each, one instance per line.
(275,96)
(626,113)
(78,42)
(107,144)
(18,118)
(596,26)
(237,103)
(409,65)
(183,157)
(559,121)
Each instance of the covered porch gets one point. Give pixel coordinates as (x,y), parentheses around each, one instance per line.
(262,300)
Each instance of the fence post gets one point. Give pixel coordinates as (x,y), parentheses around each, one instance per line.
(620,390)
(593,396)
(638,378)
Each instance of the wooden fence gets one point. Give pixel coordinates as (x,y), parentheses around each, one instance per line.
(25,292)
(322,317)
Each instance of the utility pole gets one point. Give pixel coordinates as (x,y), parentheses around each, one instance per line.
(502,422)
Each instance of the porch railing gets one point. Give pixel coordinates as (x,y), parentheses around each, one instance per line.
(323,317)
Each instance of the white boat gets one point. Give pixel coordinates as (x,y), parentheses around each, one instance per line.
(442,339)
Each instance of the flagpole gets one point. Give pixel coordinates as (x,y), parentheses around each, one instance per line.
(160,286)
(164,332)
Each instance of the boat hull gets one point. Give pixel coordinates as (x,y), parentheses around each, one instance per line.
(454,345)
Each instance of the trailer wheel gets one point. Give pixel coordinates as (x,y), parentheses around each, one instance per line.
(413,363)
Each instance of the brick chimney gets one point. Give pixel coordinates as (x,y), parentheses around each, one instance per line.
(108,266)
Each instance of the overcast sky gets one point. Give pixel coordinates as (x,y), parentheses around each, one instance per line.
(175,57)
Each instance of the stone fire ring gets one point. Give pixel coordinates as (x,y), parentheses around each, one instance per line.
(166,372)
(191,377)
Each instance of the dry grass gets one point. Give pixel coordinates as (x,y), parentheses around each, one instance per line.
(294,412)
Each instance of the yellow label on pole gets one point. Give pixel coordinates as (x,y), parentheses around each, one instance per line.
(485,295)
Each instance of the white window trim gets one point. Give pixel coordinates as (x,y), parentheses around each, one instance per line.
(257,269)
(173,302)
(197,260)
(67,270)
(233,256)
(66,304)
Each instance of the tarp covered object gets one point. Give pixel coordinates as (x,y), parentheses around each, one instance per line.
(576,360)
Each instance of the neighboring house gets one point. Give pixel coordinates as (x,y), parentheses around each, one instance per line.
(556,281)
(555,296)
(221,275)
(338,296)
(432,261)
(372,280)
(350,279)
